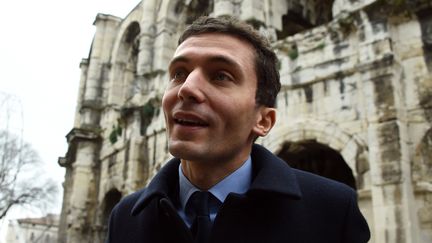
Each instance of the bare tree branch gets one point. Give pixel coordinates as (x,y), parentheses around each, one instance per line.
(20,182)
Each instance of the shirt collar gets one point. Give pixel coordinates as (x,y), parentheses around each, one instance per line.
(238,182)
(270,175)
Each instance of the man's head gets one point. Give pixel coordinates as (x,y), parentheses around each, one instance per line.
(265,59)
(215,105)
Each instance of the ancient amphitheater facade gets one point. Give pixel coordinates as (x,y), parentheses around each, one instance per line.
(355,106)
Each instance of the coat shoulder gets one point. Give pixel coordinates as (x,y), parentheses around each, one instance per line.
(315,186)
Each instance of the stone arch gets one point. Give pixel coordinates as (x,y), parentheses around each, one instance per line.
(111,198)
(127,41)
(303,15)
(128,55)
(192,9)
(330,137)
(124,62)
(317,158)
(351,149)
(421,174)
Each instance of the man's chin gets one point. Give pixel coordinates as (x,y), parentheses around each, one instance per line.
(185,150)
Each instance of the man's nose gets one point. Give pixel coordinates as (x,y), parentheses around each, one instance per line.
(192,88)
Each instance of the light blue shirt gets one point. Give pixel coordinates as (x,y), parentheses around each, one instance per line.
(238,182)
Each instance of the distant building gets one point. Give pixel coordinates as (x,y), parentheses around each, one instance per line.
(355,105)
(33,230)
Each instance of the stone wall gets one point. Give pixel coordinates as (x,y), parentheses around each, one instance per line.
(357,84)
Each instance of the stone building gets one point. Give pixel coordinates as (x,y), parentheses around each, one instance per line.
(355,105)
(32,230)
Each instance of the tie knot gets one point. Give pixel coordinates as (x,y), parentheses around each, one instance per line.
(199,202)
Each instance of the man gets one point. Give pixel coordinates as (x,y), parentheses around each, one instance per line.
(220,187)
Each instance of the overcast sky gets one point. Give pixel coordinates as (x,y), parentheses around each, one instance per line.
(41,45)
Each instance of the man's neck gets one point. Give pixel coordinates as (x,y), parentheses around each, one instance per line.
(205,175)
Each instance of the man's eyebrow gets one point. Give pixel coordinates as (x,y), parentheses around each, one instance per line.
(225,60)
(213,59)
(178,59)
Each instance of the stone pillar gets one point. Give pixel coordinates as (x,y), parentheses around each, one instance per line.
(83,194)
(79,186)
(253,11)
(118,89)
(84,68)
(145,55)
(224,8)
(390,179)
(387,184)
(106,30)
(407,44)
(98,67)
(164,44)
(138,160)
(84,142)
(392,194)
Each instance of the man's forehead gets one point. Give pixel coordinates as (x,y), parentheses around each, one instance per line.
(216,47)
(208,40)
(222,59)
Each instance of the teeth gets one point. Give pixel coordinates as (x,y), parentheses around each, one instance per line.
(189,122)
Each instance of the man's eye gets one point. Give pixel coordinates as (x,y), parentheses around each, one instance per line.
(179,76)
(222,77)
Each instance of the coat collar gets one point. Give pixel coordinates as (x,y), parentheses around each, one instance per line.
(163,185)
(270,175)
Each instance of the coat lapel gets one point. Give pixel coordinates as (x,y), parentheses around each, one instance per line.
(272,175)
(164,185)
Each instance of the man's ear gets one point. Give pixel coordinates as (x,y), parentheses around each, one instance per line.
(266,118)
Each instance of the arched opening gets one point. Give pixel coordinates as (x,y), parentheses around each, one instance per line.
(425,20)
(303,15)
(112,197)
(317,158)
(422,179)
(130,47)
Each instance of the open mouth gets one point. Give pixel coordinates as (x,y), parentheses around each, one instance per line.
(192,123)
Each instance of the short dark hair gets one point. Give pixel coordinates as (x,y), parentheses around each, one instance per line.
(265,59)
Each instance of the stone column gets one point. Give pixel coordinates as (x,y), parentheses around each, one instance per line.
(84,68)
(386,134)
(145,55)
(387,184)
(253,11)
(391,182)
(138,169)
(224,8)
(164,43)
(106,30)
(82,197)
(407,43)
(85,139)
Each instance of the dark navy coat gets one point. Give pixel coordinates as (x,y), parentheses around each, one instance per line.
(282,205)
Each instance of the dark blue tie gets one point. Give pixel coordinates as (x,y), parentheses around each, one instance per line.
(201,225)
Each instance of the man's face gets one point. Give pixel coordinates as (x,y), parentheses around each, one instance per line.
(209,104)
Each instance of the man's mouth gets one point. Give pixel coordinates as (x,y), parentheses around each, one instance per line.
(188,122)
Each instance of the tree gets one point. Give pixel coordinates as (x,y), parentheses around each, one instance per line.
(21,182)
